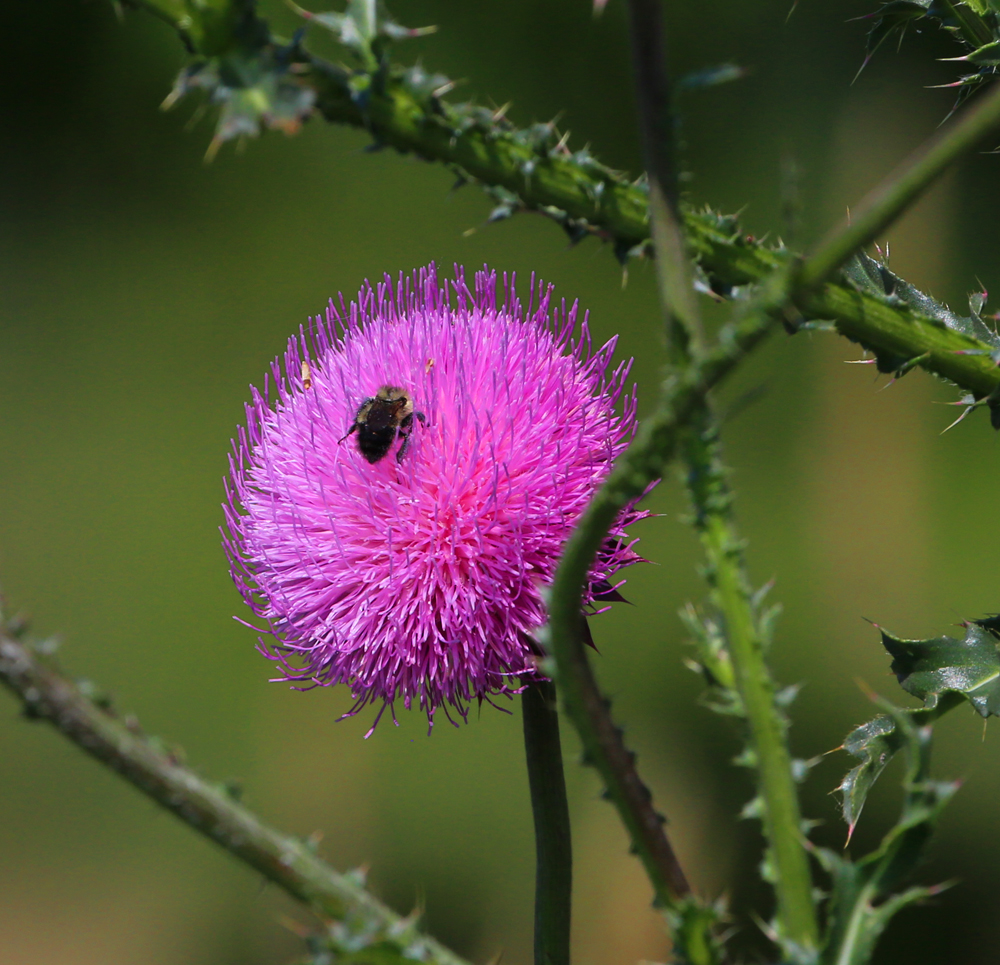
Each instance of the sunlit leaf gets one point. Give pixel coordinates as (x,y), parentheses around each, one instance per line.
(931,668)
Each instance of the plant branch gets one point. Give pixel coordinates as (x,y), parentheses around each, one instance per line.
(656,127)
(652,450)
(901,188)
(286,861)
(745,644)
(553,842)
(533,170)
(726,568)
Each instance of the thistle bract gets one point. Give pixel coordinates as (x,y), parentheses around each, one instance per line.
(419,577)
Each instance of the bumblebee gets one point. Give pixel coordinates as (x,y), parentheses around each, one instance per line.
(381,419)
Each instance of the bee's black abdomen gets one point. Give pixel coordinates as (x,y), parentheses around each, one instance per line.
(380,420)
(373,444)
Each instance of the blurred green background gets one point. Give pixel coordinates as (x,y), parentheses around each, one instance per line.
(143,291)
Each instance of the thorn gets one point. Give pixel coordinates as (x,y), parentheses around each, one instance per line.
(213,149)
(958,420)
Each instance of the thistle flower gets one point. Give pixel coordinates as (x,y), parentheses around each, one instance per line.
(419,575)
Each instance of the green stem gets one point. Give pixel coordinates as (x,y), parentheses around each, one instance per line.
(553,843)
(732,594)
(645,460)
(782,822)
(656,127)
(288,862)
(579,192)
(901,188)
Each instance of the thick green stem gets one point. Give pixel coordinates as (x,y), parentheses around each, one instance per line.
(732,595)
(796,911)
(553,843)
(538,170)
(288,862)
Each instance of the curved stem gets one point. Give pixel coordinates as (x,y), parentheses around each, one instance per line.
(654,447)
(553,843)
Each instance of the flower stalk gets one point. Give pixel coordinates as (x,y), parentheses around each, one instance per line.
(553,842)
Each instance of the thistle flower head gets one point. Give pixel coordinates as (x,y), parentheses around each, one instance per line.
(418,575)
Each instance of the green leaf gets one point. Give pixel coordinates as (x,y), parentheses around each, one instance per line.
(364,27)
(864,895)
(874,744)
(988,54)
(874,278)
(890,18)
(929,669)
(254,91)
(942,672)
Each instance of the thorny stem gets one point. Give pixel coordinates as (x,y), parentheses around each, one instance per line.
(210,809)
(726,573)
(585,195)
(652,450)
(553,843)
(726,567)
(901,188)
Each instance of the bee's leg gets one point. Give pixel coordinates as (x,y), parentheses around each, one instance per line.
(405,428)
(354,425)
(404,432)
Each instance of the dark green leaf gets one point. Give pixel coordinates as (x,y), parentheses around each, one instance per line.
(874,744)
(864,894)
(893,17)
(931,668)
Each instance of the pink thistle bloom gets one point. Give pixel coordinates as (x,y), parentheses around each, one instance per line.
(418,576)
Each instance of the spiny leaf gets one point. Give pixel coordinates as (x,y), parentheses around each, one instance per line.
(928,669)
(988,54)
(874,744)
(255,88)
(875,278)
(942,672)
(364,27)
(972,22)
(864,894)
(891,18)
